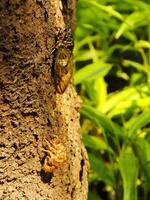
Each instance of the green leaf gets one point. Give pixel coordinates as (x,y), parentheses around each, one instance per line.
(127,94)
(142,44)
(85,41)
(91,71)
(136,65)
(139,122)
(139,4)
(130,105)
(98,118)
(108,9)
(84,55)
(110,131)
(136,19)
(117,97)
(141,148)
(94,142)
(128,165)
(104,172)
(100,88)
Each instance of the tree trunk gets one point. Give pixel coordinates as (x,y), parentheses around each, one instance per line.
(41,152)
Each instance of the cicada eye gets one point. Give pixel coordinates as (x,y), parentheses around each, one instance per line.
(68,34)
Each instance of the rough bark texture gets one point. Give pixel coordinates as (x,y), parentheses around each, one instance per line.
(32,113)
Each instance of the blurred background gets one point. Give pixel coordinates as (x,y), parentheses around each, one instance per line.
(112,75)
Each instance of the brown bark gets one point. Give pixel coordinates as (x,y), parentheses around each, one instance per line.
(41,152)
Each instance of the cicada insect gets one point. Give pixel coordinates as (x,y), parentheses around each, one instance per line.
(63,61)
(62,69)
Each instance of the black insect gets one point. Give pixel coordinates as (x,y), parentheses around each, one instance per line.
(63,60)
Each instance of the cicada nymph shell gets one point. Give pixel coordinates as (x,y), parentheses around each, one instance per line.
(56,156)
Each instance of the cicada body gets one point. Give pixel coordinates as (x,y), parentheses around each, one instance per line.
(63,61)
(63,69)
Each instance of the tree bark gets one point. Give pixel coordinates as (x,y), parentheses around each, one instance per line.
(41,152)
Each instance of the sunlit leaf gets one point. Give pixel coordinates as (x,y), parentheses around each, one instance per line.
(142,44)
(98,118)
(108,9)
(129,93)
(134,64)
(94,142)
(133,21)
(139,122)
(91,71)
(128,165)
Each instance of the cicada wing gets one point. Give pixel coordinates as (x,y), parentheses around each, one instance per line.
(63,69)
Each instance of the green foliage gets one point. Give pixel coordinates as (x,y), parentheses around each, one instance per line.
(128,165)
(112,74)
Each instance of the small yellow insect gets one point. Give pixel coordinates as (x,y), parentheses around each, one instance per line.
(56,156)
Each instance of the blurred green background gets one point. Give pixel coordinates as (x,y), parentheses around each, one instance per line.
(112,75)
